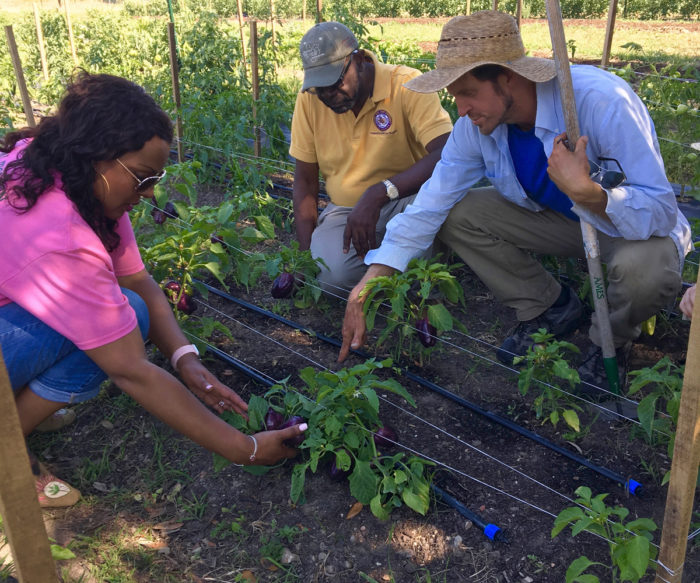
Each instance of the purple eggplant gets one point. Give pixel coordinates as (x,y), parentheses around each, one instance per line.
(385,437)
(298,439)
(426,332)
(336,474)
(186,304)
(273,419)
(170,211)
(283,285)
(159,217)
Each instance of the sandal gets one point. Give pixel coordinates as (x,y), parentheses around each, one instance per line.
(57,421)
(53,492)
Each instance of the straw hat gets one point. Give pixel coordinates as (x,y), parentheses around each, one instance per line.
(323,51)
(483,38)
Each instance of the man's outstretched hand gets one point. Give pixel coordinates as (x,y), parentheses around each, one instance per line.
(354,326)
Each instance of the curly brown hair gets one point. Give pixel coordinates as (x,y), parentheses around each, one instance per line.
(101,117)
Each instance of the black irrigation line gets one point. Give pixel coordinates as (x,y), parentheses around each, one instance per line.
(630,485)
(490,530)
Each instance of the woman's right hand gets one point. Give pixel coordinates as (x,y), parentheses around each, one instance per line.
(271,446)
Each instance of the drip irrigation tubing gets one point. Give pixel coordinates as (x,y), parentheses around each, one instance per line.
(630,485)
(491,531)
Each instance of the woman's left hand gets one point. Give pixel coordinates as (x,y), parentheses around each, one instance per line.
(209,389)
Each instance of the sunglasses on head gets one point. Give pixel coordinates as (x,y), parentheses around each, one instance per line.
(605,177)
(142,185)
(338,83)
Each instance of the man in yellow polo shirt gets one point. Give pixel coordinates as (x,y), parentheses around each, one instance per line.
(373,141)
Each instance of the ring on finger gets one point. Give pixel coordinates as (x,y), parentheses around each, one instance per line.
(208,387)
(221,404)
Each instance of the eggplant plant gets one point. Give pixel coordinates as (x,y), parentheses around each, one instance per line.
(545,362)
(415,315)
(294,275)
(345,435)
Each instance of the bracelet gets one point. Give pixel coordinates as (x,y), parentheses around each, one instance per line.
(255,448)
(180,352)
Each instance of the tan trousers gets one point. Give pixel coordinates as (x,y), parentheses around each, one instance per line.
(494,237)
(345,270)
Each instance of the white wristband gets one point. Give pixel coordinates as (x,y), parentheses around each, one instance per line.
(180,352)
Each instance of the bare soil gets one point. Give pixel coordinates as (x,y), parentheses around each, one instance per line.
(156,499)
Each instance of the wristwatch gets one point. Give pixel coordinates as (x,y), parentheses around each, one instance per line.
(391,191)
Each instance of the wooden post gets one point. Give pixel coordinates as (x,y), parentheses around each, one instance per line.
(174,73)
(256,84)
(468,8)
(684,468)
(19,505)
(70,33)
(319,10)
(607,45)
(19,74)
(240,30)
(590,236)
(495,5)
(303,12)
(519,14)
(40,40)
(272,21)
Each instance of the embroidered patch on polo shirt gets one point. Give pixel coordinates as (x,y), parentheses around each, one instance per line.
(382,120)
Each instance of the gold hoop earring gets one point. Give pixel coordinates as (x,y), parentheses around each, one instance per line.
(105,181)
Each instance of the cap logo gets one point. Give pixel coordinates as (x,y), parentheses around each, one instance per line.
(382,120)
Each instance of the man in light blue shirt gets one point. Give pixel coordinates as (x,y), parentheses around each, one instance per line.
(511,131)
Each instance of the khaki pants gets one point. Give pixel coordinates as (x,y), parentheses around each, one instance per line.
(495,237)
(345,270)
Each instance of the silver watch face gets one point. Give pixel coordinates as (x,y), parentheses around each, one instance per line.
(391,191)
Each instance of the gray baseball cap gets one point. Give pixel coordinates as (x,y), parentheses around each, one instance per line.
(323,51)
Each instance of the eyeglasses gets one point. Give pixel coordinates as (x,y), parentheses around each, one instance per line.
(142,185)
(605,177)
(338,83)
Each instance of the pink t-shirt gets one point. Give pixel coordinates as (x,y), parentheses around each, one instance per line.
(54,266)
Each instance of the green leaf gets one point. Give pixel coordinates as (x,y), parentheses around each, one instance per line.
(572,420)
(363,482)
(257,408)
(632,557)
(378,509)
(61,553)
(372,399)
(298,479)
(577,567)
(265,226)
(224,213)
(565,517)
(440,317)
(417,499)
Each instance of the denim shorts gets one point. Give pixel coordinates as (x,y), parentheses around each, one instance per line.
(54,368)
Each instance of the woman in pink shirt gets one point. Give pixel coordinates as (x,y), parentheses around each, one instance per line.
(76,302)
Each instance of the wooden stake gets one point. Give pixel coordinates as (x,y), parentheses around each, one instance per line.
(19,505)
(240,30)
(319,10)
(684,468)
(174,74)
(303,12)
(255,83)
(519,14)
(494,5)
(40,41)
(272,20)
(590,236)
(468,8)
(19,75)
(70,33)
(610,28)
